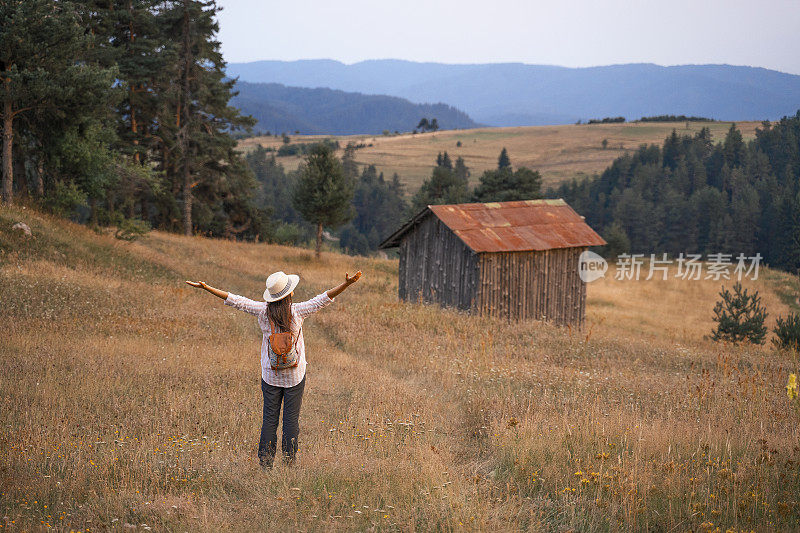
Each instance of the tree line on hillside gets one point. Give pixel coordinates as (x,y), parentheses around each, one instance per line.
(675,118)
(606,120)
(118,110)
(449,183)
(369,206)
(327,192)
(694,196)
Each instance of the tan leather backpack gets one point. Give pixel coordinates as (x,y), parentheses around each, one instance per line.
(283,349)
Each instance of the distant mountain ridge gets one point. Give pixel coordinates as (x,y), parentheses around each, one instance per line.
(516,94)
(279,108)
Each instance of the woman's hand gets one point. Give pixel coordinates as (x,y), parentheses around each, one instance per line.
(209,288)
(352,279)
(348,280)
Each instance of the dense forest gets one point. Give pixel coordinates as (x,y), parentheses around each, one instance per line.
(117,112)
(693,195)
(278,108)
(379,204)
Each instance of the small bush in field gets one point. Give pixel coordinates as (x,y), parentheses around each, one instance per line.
(64,199)
(739,317)
(130,229)
(288,234)
(787,332)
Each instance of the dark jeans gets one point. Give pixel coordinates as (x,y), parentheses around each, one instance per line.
(292,397)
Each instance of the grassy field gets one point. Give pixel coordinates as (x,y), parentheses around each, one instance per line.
(130,401)
(558,152)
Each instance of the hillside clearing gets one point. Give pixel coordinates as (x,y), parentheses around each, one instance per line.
(130,398)
(557,152)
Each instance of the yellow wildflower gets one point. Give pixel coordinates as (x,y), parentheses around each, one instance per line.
(791,386)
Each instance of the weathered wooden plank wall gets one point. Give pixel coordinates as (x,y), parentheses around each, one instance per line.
(436,266)
(540,285)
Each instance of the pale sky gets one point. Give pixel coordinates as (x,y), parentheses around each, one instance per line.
(573,33)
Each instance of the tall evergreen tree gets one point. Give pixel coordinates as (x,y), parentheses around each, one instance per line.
(461,170)
(206,160)
(733,147)
(323,194)
(505,184)
(44,75)
(443,187)
(443,160)
(349,165)
(503,161)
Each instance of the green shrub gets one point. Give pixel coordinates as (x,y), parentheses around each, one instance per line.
(787,332)
(289,149)
(130,229)
(739,317)
(288,234)
(64,199)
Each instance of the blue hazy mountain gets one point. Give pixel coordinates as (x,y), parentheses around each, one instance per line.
(279,108)
(510,94)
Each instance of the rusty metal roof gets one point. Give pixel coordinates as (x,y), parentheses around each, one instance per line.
(510,226)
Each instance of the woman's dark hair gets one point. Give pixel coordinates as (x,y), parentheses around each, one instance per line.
(280,313)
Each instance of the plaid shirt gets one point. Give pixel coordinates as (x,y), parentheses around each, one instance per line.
(288,377)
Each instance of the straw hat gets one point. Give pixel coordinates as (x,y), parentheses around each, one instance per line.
(279,286)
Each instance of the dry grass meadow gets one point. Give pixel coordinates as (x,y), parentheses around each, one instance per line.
(557,152)
(131,402)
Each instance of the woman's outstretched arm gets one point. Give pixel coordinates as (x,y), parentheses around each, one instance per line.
(348,280)
(202,285)
(307,308)
(234,300)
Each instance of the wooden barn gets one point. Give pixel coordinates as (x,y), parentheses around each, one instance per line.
(517,260)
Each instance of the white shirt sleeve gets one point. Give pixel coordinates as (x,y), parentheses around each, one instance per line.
(245,304)
(309,307)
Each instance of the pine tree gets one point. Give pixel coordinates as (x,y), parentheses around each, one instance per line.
(206,161)
(617,241)
(349,165)
(129,35)
(443,160)
(443,187)
(739,317)
(323,194)
(503,161)
(788,234)
(671,150)
(42,46)
(505,184)
(787,333)
(461,170)
(733,148)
